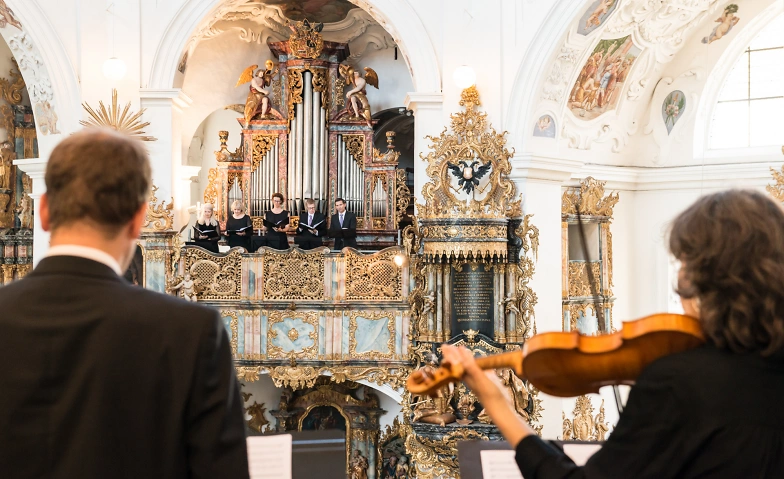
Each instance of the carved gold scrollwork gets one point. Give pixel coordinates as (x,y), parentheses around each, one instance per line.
(777,190)
(337,93)
(211,191)
(584,426)
(320,84)
(373,277)
(294,275)
(590,198)
(468,147)
(402,195)
(355,144)
(305,42)
(261,146)
(159,216)
(215,275)
(578,278)
(309,352)
(233,176)
(298,377)
(12,89)
(294,78)
(436,458)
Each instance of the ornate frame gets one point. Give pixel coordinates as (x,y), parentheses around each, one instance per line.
(372,316)
(309,317)
(234,324)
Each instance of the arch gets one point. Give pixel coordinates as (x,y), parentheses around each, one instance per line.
(722,68)
(397,18)
(42,56)
(535,66)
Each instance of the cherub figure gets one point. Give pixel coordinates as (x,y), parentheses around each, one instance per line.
(7,156)
(508,303)
(725,23)
(357,96)
(601,9)
(25,210)
(187,288)
(428,303)
(258,102)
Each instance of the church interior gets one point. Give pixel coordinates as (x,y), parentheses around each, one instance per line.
(448,171)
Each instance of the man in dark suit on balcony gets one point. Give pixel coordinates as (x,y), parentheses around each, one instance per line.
(312,227)
(100,378)
(343,226)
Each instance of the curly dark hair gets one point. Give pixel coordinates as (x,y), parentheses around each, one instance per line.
(731,245)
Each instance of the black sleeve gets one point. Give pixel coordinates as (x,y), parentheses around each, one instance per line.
(214,235)
(215,427)
(649,441)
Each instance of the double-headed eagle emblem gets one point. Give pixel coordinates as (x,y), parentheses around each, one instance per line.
(469,174)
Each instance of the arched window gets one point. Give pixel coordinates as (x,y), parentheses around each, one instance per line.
(750,109)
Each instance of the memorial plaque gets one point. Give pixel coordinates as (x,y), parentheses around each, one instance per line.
(473,304)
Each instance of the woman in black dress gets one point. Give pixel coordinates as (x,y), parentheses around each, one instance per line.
(239,227)
(206,231)
(276,235)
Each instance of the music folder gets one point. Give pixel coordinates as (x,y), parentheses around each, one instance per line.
(239,230)
(298,455)
(270,224)
(311,227)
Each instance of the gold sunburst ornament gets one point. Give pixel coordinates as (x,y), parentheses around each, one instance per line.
(125,122)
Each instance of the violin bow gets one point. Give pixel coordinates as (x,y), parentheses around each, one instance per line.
(594,292)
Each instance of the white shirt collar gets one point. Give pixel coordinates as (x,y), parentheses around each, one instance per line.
(85,252)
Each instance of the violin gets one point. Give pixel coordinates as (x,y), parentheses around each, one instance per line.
(567,364)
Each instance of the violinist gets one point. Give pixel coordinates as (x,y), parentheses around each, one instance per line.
(713,411)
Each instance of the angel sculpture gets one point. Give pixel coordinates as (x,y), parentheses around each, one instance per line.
(357,96)
(469,174)
(258,97)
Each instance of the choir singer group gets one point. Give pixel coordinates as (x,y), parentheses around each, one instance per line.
(310,233)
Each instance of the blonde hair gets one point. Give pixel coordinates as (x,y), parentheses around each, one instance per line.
(213,221)
(237,204)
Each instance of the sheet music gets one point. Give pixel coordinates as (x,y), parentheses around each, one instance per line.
(269,457)
(579,453)
(499,464)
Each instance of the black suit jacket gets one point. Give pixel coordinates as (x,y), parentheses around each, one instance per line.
(102,379)
(346,236)
(305,238)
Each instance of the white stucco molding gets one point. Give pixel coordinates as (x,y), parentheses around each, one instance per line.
(57,67)
(395,16)
(424,100)
(722,69)
(35,168)
(536,64)
(527,166)
(694,177)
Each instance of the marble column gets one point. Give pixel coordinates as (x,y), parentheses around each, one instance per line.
(35,168)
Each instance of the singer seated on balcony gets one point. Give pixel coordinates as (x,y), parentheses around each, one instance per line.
(239,227)
(312,227)
(206,231)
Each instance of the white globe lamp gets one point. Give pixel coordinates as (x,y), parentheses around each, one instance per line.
(114,69)
(464,77)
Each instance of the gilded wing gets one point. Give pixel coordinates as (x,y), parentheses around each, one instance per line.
(482,170)
(247,75)
(347,73)
(371,77)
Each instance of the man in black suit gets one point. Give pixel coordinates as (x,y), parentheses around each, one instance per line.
(343,226)
(99,378)
(312,227)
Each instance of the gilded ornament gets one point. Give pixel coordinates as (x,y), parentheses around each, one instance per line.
(337,93)
(293,334)
(123,122)
(320,85)
(402,195)
(216,275)
(355,144)
(777,190)
(584,426)
(159,216)
(211,191)
(11,90)
(294,78)
(578,278)
(261,146)
(306,40)
(311,318)
(22,270)
(257,420)
(590,199)
(235,175)
(371,316)
(374,276)
(294,275)
(299,377)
